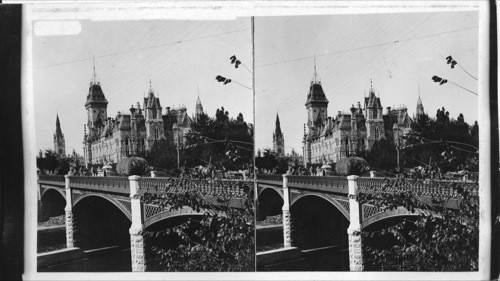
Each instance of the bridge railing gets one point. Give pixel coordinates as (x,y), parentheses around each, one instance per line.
(270,178)
(337,184)
(121,185)
(52,179)
(371,185)
(421,187)
(231,188)
(108,184)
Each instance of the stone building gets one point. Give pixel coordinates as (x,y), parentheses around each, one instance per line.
(107,140)
(178,123)
(59,143)
(329,139)
(278,140)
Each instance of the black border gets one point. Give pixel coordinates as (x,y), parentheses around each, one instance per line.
(11,145)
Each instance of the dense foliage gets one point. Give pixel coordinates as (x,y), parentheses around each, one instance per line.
(440,238)
(222,142)
(221,240)
(163,154)
(52,163)
(444,142)
(383,155)
(450,143)
(351,166)
(132,166)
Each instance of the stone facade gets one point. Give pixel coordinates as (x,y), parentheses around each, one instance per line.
(329,139)
(137,251)
(107,140)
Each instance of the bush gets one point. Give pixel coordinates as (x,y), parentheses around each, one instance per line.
(132,166)
(351,166)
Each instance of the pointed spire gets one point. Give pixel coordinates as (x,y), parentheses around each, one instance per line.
(93,62)
(150,87)
(58,127)
(315,74)
(371,85)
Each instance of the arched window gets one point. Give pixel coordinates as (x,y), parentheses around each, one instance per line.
(157,133)
(127,150)
(346,147)
(377,134)
(143,145)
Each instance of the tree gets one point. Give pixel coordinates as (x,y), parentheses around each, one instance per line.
(221,141)
(351,166)
(382,155)
(222,240)
(439,239)
(51,163)
(449,143)
(268,161)
(163,154)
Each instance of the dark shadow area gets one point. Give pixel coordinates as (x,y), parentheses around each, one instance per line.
(317,223)
(52,205)
(99,223)
(269,204)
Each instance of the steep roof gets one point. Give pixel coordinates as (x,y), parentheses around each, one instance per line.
(95,94)
(372,101)
(316,94)
(58,133)
(277,130)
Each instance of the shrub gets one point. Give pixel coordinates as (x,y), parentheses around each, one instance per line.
(351,166)
(132,166)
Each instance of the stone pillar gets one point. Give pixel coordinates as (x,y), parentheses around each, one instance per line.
(153,174)
(137,249)
(287,218)
(68,214)
(354,230)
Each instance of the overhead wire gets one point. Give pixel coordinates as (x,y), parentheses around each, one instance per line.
(141,49)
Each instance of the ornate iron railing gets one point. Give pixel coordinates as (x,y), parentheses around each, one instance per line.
(230,188)
(420,187)
(329,184)
(106,184)
(370,185)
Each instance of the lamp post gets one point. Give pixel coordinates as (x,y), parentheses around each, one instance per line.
(395,128)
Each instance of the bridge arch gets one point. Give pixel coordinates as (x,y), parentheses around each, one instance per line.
(127,212)
(100,221)
(158,218)
(270,202)
(59,190)
(341,208)
(388,217)
(317,223)
(52,203)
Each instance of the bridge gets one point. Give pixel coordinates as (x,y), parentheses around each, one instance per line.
(104,211)
(321,210)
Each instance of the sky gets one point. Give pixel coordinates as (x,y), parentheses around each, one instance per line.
(178,56)
(397,53)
